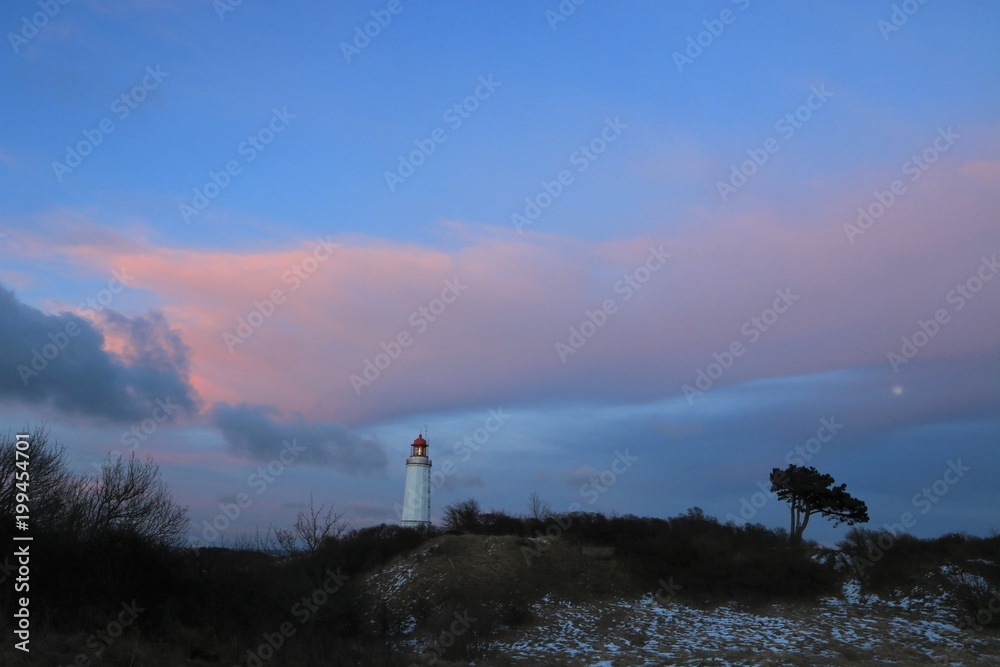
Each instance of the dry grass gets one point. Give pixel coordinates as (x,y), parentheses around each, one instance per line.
(505,572)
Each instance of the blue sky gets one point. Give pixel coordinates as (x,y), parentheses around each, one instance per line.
(331,126)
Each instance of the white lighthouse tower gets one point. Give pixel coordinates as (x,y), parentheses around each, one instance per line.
(417,496)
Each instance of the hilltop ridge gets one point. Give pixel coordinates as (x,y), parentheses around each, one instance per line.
(500,600)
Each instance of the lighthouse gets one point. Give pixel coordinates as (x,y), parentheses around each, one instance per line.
(417,496)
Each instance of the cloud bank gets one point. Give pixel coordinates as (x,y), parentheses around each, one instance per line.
(366,330)
(64,360)
(252,430)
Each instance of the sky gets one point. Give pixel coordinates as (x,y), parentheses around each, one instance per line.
(631,257)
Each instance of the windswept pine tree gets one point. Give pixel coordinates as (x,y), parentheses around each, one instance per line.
(808,491)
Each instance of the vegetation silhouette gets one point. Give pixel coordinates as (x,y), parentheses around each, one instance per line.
(111,541)
(807,492)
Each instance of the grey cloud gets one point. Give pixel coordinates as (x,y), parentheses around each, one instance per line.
(580,475)
(61,360)
(472,480)
(251,430)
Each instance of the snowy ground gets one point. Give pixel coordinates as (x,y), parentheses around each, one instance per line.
(919,627)
(845,630)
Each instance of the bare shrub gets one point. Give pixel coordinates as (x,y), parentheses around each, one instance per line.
(463,516)
(312,528)
(129,496)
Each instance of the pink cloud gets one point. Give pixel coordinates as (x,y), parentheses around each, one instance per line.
(520,294)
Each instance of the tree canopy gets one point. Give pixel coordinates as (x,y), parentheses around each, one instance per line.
(127,495)
(808,491)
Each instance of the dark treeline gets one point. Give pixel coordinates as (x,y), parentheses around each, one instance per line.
(114,542)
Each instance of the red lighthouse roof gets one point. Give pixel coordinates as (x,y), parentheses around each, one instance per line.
(420,440)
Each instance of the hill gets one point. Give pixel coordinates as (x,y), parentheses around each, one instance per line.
(466,598)
(581,589)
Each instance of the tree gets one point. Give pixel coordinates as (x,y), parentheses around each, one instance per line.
(695,514)
(129,496)
(538,509)
(313,528)
(808,492)
(50,481)
(463,516)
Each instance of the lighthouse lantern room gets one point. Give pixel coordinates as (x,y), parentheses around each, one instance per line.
(417,495)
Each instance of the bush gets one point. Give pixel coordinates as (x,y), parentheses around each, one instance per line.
(463,517)
(887,562)
(496,522)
